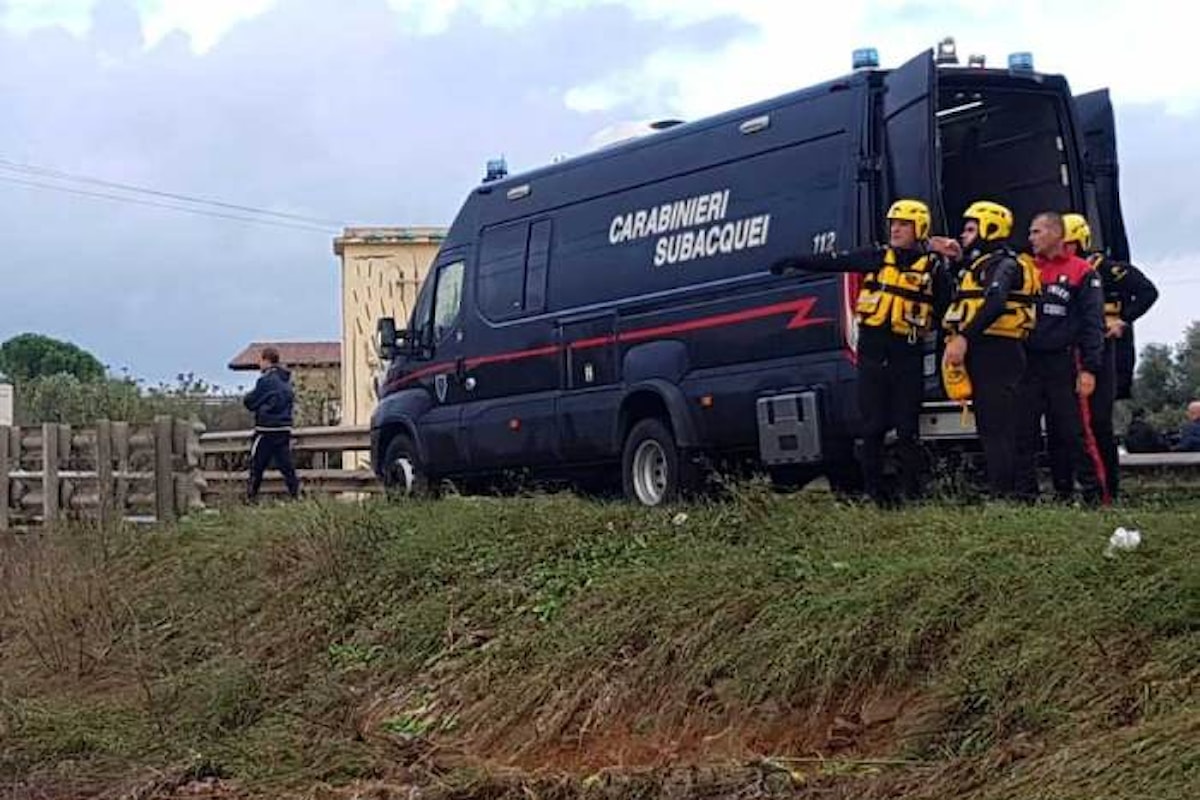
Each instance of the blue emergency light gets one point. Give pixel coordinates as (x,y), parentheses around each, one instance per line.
(496,169)
(866,58)
(1020,62)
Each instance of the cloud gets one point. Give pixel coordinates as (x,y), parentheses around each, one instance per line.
(385,111)
(203,22)
(339,111)
(794,45)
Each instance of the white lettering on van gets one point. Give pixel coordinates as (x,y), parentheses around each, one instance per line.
(691,228)
(660,253)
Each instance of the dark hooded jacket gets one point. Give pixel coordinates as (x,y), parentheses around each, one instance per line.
(272,400)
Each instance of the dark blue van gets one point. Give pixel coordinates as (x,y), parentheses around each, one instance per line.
(614,314)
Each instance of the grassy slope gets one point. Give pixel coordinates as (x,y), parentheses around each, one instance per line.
(477,648)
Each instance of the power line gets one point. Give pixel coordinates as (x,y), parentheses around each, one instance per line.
(153,204)
(50,172)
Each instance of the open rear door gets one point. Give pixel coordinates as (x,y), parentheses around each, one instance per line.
(1100,154)
(912,160)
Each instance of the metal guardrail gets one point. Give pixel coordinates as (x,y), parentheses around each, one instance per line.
(1159,460)
(322,445)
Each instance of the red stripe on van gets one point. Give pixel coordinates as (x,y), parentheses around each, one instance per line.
(800,309)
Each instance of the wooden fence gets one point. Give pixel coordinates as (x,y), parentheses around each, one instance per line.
(110,471)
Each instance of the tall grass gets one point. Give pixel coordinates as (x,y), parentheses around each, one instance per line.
(936,652)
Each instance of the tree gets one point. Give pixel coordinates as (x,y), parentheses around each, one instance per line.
(31,355)
(1187,364)
(1156,386)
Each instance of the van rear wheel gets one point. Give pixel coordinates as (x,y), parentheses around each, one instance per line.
(653,470)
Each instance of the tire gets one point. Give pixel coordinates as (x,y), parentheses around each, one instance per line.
(404,474)
(653,471)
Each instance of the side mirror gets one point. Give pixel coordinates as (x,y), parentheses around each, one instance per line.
(386,338)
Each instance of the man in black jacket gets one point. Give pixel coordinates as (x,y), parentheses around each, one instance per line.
(272,401)
(988,322)
(1065,354)
(1128,295)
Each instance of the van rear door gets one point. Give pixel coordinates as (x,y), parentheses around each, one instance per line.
(1100,155)
(1099,130)
(912,158)
(912,163)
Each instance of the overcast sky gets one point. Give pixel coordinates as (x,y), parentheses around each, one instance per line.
(385,112)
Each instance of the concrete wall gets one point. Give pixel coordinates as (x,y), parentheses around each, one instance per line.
(381,271)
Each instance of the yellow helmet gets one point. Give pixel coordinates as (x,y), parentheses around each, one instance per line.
(1078,231)
(995,221)
(913,211)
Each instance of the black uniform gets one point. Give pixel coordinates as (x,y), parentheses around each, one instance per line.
(1128,295)
(890,350)
(272,401)
(1069,336)
(995,357)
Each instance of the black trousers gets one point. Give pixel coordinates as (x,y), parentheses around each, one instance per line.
(1049,390)
(995,365)
(891,386)
(272,447)
(1100,406)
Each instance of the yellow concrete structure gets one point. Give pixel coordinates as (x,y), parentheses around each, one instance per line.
(381,270)
(6,403)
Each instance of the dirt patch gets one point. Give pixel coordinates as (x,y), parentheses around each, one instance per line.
(878,726)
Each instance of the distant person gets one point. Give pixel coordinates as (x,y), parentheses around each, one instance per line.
(1189,437)
(271,402)
(1142,437)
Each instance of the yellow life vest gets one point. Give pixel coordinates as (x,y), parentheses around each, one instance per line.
(1020,307)
(1112,298)
(898,298)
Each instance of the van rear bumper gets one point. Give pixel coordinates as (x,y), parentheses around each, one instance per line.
(947,421)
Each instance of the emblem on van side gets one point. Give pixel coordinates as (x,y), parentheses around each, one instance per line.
(440,384)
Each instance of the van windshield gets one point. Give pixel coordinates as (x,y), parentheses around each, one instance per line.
(1006,145)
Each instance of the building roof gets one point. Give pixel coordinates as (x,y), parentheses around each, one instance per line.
(389,235)
(291,354)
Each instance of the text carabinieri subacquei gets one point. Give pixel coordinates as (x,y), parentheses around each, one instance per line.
(707,233)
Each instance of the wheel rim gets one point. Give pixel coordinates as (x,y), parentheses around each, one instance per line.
(650,473)
(403,475)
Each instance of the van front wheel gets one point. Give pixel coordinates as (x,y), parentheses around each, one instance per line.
(653,470)
(403,473)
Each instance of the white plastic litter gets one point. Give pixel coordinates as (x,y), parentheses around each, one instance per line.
(680,519)
(1122,539)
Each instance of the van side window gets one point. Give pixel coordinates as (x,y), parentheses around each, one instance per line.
(447,299)
(501,282)
(537,259)
(512,270)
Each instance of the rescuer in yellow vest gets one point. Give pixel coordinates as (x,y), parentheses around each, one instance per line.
(989,318)
(1128,295)
(904,284)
